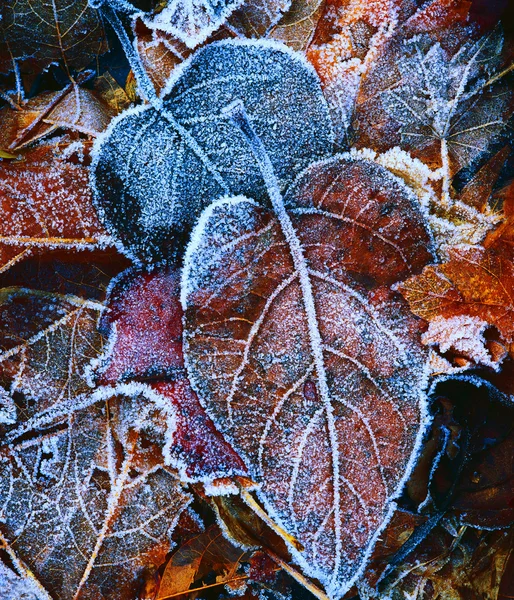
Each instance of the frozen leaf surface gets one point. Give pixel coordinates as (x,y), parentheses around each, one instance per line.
(86,500)
(313,378)
(192,22)
(446,108)
(46,203)
(154,171)
(49,31)
(256,17)
(46,342)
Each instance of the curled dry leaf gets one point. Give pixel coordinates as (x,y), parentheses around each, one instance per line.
(46,203)
(155,171)
(46,32)
(315,377)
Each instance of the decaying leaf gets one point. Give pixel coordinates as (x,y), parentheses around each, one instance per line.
(47,340)
(204,554)
(296,28)
(255,18)
(301,365)
(86,500)
(444,108)
(475,282)
(46,202)
(49,31)
(154,171)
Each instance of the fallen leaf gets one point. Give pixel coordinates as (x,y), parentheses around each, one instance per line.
(154,172)
(296,28)
(46,203)
(102,502)
(32,323)
(445,108)
(46,32)
(255,18)
(204,554)
(309,376)
(475,282)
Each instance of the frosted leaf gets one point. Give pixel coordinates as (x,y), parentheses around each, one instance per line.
(296,28)
(463,335)
(86,501)
(47,31)
(436,98)
(255,18)
(46,342)
(316,382)
(46,203)
(151,181)
(14,587)
(192,21)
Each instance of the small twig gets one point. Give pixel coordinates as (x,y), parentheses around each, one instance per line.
(301,579)
(262,514)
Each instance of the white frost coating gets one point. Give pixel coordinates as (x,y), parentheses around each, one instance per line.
(165,165)
(212,237)
(464,335)
(192,21)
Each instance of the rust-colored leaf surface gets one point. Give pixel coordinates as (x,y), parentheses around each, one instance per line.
(46,203)
(475,282)
(324,402)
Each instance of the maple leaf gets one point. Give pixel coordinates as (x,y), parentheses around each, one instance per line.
(87,501)
(298,364)
(475,282)
(53,31)
(155,170)
(46,203)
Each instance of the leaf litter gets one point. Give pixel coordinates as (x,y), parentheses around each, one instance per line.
(256,375)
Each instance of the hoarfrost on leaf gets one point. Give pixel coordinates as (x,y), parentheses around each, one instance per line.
(314,373)
(154,171)
(86,500)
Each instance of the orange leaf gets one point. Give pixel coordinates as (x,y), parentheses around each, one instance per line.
(475,282)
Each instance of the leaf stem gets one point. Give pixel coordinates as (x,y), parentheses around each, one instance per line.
(237,114)
(24,571)
(301,579)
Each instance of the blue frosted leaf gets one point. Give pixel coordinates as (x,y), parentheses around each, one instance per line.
(150,185)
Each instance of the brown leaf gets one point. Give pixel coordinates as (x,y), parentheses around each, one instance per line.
(332,418)
(102,503)
(205,554)
(46,342)
(257,17)
(47,32)
(46,203)
(296,28)
(475,282)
